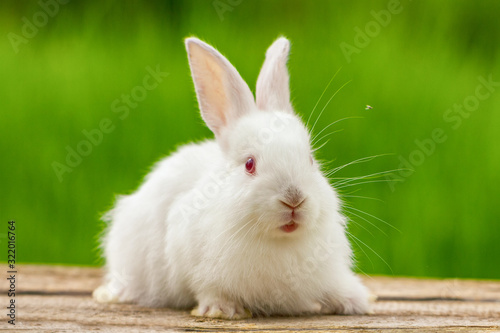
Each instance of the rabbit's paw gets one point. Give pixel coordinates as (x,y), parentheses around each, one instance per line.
(103,294)
(357,302)
(221,309)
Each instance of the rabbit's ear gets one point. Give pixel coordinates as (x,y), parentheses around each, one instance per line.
(222,94)
(273,91)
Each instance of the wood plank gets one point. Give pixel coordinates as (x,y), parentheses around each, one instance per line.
(58,299)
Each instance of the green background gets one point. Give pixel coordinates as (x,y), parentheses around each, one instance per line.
(423,61)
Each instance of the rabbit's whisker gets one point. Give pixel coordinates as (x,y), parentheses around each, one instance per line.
(354,239)
(368,182)
(358,240)
(329,125)
(322,145)
(351,220)
(359,160)
(372,216)
(347,180)
(364,219)
(320,97)
(323,137)
(360,197)
(328,102)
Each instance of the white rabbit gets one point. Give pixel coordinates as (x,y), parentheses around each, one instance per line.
(240,225)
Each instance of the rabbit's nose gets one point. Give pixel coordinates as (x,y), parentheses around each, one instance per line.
(293,197)
(293,206)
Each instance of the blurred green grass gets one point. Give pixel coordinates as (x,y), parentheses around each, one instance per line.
(429,57)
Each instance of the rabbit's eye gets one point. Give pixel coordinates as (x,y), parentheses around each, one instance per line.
(250,165)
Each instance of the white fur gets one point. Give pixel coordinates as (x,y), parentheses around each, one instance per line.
(202,231)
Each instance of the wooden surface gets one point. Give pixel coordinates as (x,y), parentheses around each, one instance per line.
(58,299)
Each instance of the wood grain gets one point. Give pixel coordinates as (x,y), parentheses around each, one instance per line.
(58,299)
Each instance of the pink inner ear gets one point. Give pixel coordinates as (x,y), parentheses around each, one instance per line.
(211,85)
(214,104)
(222,94)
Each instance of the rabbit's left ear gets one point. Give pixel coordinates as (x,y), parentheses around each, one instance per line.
(222,94)
(273,91)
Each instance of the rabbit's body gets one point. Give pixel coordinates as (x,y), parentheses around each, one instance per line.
(247,221)
(139,272)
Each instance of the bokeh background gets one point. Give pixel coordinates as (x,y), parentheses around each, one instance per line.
(65,74)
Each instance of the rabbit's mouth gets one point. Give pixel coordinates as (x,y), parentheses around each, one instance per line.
(289,227)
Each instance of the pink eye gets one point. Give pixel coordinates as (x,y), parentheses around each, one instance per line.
(250,165)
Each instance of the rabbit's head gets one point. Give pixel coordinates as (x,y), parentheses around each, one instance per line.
(272,170)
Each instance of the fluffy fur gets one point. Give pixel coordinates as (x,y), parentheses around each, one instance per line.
(202,231)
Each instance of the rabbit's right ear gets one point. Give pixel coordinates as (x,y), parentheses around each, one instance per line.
(273,90)
(222,94)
